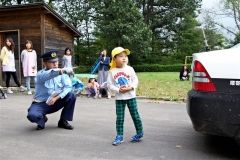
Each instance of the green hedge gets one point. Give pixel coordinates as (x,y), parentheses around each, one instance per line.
(158,68)
(82,69)
(142,68)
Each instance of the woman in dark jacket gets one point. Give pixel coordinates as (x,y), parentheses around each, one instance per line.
(103,72)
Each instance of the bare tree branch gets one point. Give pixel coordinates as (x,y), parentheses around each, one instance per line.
(227,29)
(235,15)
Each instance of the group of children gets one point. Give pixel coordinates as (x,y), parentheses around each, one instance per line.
(121,79)
(29,67)
(29,64)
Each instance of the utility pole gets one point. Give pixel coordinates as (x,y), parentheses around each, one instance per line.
(205,39)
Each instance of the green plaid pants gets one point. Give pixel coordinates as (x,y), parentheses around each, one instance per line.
(120,112)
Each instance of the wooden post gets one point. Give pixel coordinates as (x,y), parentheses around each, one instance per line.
(1,45)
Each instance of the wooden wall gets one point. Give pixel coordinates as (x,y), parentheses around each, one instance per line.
(28,23)
(57,36)
(41,27)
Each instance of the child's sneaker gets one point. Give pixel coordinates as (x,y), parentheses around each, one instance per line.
(21,89)
(118,140)
(9,91)
(137,137)
(29,93)
(109,95)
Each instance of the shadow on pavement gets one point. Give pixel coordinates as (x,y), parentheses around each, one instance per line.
(225,147)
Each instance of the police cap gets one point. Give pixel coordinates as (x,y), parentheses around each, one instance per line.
(50,56)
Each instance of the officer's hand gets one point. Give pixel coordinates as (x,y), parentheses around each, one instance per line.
(53,100)
(67,70)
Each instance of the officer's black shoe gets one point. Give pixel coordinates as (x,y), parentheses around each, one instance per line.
(39,127)
(46,119)
(64,124)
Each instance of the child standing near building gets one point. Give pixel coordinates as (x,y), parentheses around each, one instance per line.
(67,59)
(29,64)
(123,81)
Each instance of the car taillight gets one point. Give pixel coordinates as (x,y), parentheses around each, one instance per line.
(201,79)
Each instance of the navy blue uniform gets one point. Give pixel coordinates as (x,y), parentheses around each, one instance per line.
(48,82)
(39,108)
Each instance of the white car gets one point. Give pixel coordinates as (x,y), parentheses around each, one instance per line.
(213,104)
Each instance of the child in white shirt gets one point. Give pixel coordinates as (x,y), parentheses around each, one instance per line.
(123,81)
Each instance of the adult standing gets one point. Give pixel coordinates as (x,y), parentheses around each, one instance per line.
(29,64)
(8,64)
(53,92)
(103,71)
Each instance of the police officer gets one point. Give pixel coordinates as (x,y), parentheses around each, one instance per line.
(52,92)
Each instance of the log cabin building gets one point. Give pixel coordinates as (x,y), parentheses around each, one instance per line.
(40,24)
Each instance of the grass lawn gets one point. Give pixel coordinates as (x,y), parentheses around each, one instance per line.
(162,85)
(158,85)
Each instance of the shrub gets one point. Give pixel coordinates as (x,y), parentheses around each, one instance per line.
(82,69)
(141,68)
(158,68)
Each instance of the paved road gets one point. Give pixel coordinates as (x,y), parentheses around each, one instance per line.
(168,134)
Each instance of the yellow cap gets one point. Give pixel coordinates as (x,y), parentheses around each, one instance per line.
(118,50)
(115,52)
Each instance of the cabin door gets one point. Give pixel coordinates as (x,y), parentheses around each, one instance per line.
(15,35)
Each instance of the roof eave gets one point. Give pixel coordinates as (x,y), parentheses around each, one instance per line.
(46,7)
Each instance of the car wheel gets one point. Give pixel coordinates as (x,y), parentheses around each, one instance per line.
(237,140)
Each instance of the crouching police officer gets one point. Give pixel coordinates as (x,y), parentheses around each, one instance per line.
(52,93)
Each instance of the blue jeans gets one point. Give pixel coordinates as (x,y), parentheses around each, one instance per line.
(37,111)
(28,81)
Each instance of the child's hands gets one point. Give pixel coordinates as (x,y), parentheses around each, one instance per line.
(124,89)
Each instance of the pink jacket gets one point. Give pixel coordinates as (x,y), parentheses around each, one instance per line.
(29,63)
